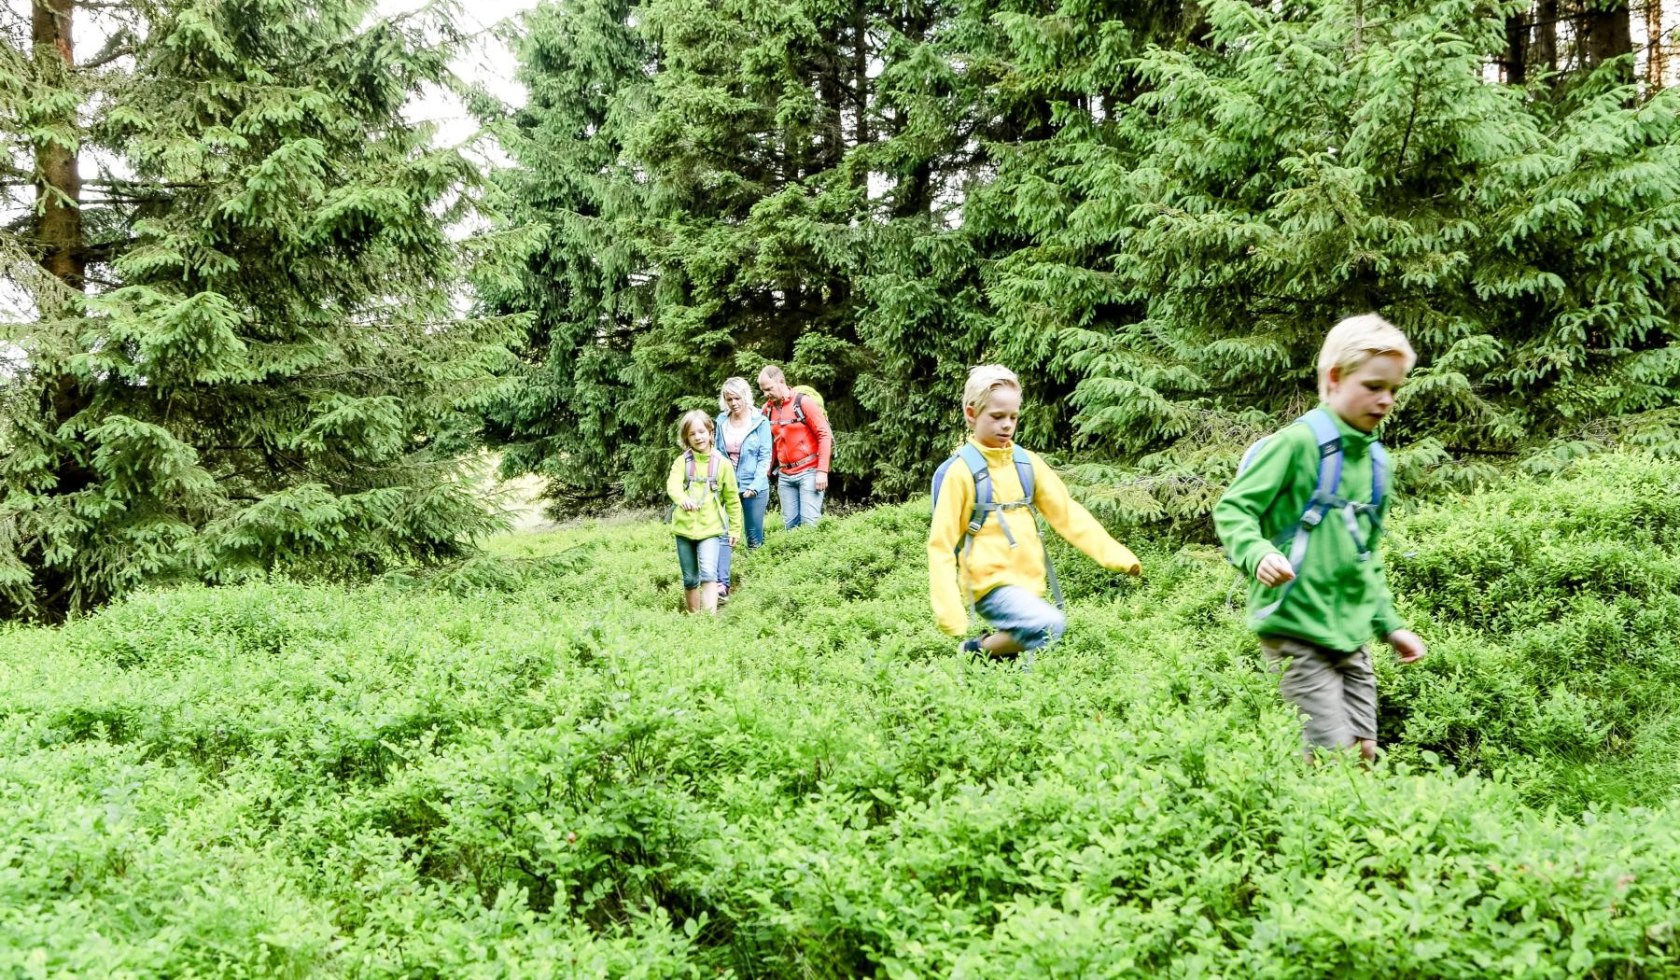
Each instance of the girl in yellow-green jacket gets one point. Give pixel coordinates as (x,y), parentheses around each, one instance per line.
(706,509)
(1002,565)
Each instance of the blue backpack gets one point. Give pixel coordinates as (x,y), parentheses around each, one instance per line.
(1325,499)
(985,505)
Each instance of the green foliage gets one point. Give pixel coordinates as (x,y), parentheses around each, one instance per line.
(1153,212)
(554,773)
(268,339)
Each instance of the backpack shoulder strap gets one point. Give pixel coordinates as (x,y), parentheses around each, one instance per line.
(1379,475)
(799,407)
(688,468)
(1029,477)
(976,464)
(1330,458)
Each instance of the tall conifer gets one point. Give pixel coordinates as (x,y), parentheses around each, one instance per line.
(246,329)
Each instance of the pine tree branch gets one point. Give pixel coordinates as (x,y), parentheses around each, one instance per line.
(118,46)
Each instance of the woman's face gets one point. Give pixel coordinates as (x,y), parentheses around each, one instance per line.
(734,402)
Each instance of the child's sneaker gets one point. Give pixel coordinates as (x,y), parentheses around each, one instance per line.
(723,595)
(975,648)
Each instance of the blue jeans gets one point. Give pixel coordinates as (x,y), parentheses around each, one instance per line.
(752,510)
(699,560)
(802,502)
(1029,618)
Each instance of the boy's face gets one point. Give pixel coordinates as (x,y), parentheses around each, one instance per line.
(699,440)
(994,425)
(1364,396)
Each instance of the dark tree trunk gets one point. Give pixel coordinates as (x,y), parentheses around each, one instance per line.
(1516,50)
(860,71)
(1605,34)
(1545,34)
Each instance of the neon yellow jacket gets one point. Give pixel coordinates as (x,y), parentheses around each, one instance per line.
(706,521)
(991,562)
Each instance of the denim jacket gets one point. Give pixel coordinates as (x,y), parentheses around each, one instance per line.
(753,471)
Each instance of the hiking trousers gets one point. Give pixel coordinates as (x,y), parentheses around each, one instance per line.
(1335,691)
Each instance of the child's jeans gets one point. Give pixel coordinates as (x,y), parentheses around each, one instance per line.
(1027,617)
(802,502)
(699,560)
(1335,691)
(752,511)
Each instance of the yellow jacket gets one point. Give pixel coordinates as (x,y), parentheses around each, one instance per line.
(991,562)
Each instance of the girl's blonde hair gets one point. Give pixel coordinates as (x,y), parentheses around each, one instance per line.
(689,420)
(982,381)
(1355,340)
(739,387)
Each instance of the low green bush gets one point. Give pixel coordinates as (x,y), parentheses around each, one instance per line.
(542,770)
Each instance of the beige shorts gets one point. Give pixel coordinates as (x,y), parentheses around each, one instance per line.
(1335,691)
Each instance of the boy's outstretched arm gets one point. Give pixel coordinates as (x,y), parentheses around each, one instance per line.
(1408,646)
(1076,524)
(1236,518)
(950,521)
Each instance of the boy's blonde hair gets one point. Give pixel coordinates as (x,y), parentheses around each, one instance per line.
(739,387)
(982,381)
(689,420)
(1355,340)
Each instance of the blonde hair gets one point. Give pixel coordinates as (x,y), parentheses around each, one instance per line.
(982,381)
(1355,340)
(689,420)
(739,387)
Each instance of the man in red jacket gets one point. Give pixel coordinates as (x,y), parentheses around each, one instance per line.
(802,442)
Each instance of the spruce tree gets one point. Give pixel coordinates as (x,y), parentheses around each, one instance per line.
(573,200)
(1305,165)
(245,327)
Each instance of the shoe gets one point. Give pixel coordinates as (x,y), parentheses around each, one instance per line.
(723,597)
(971,647)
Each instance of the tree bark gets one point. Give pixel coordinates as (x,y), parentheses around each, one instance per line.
(1516,50)
(1545,34)
(58,181)
(1605,34)
(1656,61)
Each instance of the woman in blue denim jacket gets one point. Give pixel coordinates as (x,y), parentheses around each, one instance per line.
(743,433)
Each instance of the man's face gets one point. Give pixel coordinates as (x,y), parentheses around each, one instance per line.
(773,390)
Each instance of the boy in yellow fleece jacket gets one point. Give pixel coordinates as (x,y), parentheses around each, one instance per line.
(1002,565)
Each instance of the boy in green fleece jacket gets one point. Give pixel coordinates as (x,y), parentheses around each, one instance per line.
(1315,616)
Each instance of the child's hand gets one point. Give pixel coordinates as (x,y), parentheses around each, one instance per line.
(734,540)
(1274,570)
(690,505)
(1408,645)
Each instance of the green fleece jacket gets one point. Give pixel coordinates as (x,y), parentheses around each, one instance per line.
(1338,601)
(707,520)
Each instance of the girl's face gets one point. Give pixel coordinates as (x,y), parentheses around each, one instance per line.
(994,423)
(734,402)
(699,440)
(1364,396)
